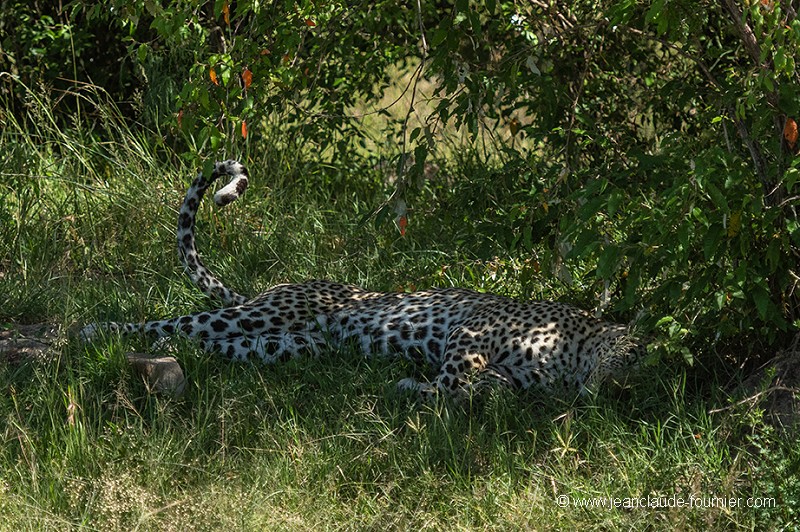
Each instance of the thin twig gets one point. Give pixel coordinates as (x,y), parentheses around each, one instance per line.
(755,397)
(414,81)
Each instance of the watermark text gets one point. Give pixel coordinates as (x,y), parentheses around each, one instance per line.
(667,501)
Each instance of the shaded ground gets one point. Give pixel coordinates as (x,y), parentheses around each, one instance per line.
(25,342)
(162,374)
(775,387)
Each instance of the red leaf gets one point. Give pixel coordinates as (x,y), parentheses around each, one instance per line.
(401,209)
(244,129)
(402,223)
(790,132)
(247,77)
(226,13)
(213,75)
(310,23)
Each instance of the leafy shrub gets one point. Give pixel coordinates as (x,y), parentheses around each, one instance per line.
(650,149)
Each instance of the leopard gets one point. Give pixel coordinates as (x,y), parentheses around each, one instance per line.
(469,339)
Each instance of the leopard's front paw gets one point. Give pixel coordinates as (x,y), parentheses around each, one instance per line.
(424,390)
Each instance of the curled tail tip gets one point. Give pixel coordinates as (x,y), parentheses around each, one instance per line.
(237,185)
(230,167)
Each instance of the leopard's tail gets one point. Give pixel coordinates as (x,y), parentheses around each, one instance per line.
(202,277)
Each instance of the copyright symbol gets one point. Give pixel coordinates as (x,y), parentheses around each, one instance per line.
(562,501)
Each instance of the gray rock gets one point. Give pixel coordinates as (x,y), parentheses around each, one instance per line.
(162,374)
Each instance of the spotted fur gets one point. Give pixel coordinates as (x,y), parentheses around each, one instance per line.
(470,338)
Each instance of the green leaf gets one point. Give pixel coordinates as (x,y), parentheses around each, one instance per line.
(632,289)
(780,59)
(621,12)
(583,245)
(682,247)
(225,74)
(717,197)
(614,201)
(666,320)
(527,237)
(216,139)
(475,22)
(208,167)
(762,300)
(382,214)
(608,262)
(439,36)
(714,236)
(218,8)
(591,208)
(420,155)
(655,12)
(773,254)
(791,177)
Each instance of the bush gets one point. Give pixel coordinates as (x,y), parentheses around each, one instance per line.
(647,151)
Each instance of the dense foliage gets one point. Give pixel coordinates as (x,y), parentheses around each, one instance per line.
(645,151)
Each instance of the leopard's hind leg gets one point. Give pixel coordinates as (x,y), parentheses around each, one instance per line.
(268,347)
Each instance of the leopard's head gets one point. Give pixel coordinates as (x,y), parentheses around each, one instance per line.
(616,358)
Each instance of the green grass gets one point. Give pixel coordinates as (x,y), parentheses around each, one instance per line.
(87,234)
